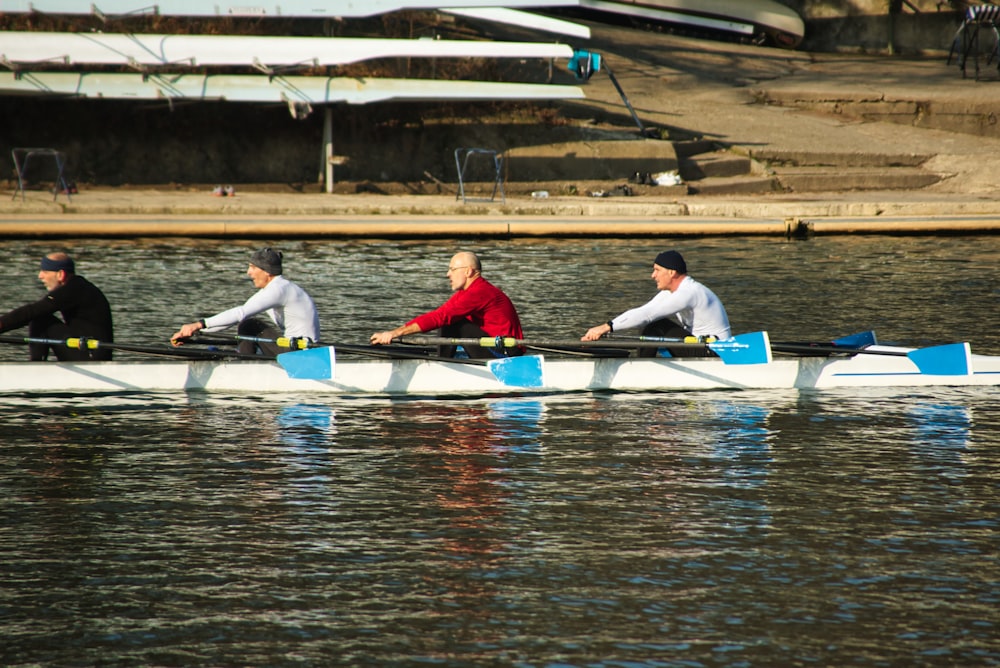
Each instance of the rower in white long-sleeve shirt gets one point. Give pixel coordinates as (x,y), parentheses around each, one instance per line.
(683,307)
(290,307)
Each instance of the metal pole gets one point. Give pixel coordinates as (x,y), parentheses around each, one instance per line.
(635,117)
(326,169)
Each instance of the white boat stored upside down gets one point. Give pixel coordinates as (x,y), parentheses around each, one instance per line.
(32,50)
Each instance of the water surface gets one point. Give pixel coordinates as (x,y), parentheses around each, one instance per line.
(844,527)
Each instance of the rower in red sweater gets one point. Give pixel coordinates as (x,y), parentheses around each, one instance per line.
(476,309)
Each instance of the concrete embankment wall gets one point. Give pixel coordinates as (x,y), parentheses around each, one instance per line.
(916,27)
(445,220)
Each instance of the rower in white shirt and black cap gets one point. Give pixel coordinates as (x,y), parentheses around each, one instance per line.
(290,307)
(683,307)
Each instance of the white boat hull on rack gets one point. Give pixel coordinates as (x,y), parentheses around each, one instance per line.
(749,18)
(251,88)
(33,49)
(483,10)
(272,8)
(409,377)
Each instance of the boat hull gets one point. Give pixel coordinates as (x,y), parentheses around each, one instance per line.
(750,18)
(435,378)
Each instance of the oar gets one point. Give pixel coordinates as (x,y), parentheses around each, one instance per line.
(81,343)
(298,343)
(950,359)
(750,348)
(859,340)
(290,342)
(603,351)
(511,342)
(320,363)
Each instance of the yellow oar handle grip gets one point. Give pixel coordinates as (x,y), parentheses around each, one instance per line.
(496,342)
(81,343)
(292,342)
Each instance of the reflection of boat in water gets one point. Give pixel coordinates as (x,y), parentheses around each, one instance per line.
(762,21)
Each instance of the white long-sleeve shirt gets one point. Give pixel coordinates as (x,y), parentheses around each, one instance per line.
(696,308)
(291,308)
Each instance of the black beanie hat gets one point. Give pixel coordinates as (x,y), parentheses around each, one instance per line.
(671,260)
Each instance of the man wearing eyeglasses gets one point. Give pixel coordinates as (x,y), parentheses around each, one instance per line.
(475,309)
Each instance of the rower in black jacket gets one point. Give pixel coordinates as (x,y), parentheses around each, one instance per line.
(85,313)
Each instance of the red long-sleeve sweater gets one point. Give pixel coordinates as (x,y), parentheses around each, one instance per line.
(482,304)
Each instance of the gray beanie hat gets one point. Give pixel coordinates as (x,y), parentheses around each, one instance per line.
(267,259)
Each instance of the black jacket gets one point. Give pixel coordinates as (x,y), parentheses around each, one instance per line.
(83,306)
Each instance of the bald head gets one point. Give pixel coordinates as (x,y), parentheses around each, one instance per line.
(467,258)
(463,269)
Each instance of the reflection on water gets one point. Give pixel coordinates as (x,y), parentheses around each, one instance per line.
(305,426)
(942,429)
(762,527)
(839,527)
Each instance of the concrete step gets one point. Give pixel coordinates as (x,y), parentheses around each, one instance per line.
(734,185)
(577,188)
(965,113)
(590,160)
(715,164)
(837,179)
(775,158)
(686,149)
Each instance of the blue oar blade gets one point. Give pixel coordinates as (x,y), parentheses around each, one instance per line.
(952,359)
(309,364)
(859,340)
(750,348)
(525,371)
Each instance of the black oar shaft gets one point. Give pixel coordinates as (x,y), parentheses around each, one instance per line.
(25,340)
(290,342)
(816,349)
(827,349)
(510,342)
(396,353)
(175,351)
(83,343)
(368,350)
